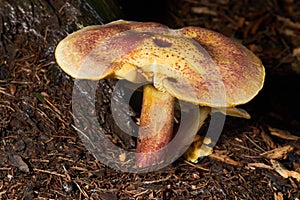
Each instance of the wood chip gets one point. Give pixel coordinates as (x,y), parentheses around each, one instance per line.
(255,48)
(278,153)
(296,66)
(277,166)
(295,185)
(297,167)
(257,23)
(241,21)
(48,172)
(12,89)
(268,139)
(18,162)
(278,196)
(82,191)
(284,134)
(296,51)
(108,196)
(288,22)
(224,158)
(204,11)
(259,165)
(122,157)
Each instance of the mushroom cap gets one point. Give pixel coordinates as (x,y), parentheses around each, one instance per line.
(192,64)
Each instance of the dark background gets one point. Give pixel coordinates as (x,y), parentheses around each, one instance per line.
(41,154)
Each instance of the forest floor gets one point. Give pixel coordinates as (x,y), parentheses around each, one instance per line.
(43,157)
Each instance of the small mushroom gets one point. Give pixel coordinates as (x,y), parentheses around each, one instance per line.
(191,64)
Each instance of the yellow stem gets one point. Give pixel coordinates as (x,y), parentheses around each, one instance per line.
(156,125)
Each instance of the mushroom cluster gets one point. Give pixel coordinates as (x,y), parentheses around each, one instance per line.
(191,64)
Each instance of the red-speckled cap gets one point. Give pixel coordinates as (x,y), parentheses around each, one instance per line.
(192,64)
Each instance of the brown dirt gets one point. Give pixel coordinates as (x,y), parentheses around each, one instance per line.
(42,156)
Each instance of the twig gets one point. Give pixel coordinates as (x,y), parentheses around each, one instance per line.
(57,192)
(144,192)
(49,172)
(196,166)
(21,82)
(84,135)
(157,181)
(40,160)
(2,193)
(5,93)
(53,106)
(289,22)
(255,143)
(81,190)
(4,169)
(204,11)
(79,168)
(5,106)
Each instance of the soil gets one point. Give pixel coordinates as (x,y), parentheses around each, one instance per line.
(43,156)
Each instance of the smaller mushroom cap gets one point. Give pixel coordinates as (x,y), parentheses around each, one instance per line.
(192,64)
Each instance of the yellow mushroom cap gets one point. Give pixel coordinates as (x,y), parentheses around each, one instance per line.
(90,52)
(242,72)
(192,64)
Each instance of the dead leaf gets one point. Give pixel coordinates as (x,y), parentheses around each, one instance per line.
(284,134)
(278,153)
(18,162)
(277,166)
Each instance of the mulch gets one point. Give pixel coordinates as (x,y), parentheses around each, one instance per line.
(43,157)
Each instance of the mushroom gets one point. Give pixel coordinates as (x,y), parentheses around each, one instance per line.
(190,64)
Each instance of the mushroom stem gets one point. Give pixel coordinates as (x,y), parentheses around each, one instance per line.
(156,126)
